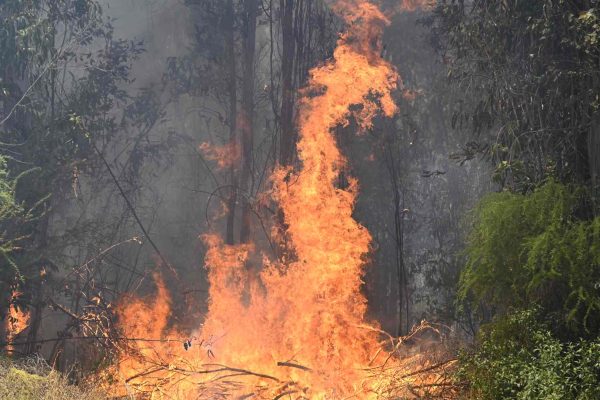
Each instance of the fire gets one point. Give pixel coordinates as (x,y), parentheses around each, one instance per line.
(225,155)
(18,321)
(311,311)
(296,327)
(414,5)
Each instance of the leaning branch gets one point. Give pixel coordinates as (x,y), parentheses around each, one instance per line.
(293,365)
(115,338)
(132,209)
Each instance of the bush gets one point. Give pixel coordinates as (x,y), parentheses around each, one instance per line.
(536,249)
(34,380)
(518,358)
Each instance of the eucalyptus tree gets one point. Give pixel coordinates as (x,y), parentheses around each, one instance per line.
(527,80)
(524,80)
(64,103)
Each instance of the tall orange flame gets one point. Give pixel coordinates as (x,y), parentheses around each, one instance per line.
(18,321)
(312,312)
(301,324)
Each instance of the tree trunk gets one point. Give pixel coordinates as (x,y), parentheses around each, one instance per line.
(286,149)
(232,200)
(38,290)
(4,304)
(402,305)
(246,122)
(35,321)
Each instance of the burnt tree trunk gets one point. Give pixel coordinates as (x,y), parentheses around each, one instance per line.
(38,302)
(4,304)
(402,300)
(286,149)
(246,122)
(229,25)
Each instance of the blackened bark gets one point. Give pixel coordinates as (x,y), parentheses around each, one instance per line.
(38,303)
(286,149)
(4,304)
(246,122)
(403,306)
(230,37)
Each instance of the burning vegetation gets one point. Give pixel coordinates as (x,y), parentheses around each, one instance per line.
(269,199)
(297,325)
(18,320)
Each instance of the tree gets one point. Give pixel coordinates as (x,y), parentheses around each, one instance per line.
(246,118)
(64,108)
(528,73)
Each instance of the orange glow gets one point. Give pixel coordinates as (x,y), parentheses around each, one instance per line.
(295,327)
(18,321)
(411,95)
(310,312)
(151,349)
(225,155)
(414,5)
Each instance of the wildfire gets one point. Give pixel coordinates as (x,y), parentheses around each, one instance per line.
(225,155)
(413,5)
(18,321)
(296,327)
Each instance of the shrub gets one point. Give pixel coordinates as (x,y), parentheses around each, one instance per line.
(518,358)
(34,380)
(536,249)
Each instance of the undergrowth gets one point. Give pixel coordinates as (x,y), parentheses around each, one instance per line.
(33,379)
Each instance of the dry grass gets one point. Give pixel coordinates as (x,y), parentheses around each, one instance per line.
(33,379)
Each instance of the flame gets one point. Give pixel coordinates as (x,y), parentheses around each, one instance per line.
(311,310)
(18,321)
(152,357)
(296,326)
(414,5)
(225,155)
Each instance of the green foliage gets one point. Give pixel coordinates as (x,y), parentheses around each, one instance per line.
(526,79)
(8,206)
(9,211)
(59,59)
(14,220)
(518,358)
(526,249)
